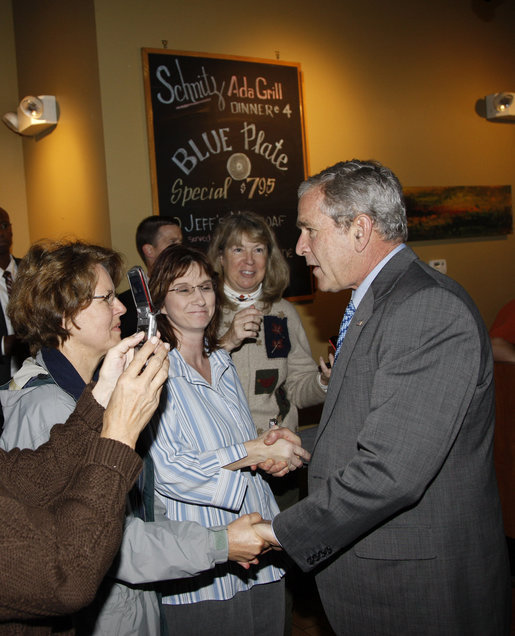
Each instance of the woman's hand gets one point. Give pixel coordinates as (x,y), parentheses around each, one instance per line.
(116,360)
(283,453)
(245,545)
(136,395)
(280,451)
(279,469)
(245,324)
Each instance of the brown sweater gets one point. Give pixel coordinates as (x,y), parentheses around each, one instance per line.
(61,518)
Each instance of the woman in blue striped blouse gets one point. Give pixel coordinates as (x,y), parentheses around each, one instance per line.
(203,445)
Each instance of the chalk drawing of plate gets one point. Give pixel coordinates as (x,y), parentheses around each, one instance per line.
(238,166)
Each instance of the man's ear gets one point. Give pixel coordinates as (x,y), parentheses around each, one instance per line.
(148,250)
(361,229)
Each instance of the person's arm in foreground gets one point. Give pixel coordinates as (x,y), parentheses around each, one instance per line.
(166,549)
(60,547)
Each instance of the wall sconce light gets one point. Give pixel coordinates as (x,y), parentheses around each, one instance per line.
(35,115)
(500,107)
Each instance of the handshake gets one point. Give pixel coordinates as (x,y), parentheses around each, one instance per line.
(280,452)
(277,452)
(248,537)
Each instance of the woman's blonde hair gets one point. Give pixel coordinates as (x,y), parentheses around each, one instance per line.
(230,232)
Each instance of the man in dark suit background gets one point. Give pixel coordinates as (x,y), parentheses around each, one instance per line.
(153,234)
(12,352)
(402,524)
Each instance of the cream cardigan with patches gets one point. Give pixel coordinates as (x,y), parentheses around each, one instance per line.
(276,386)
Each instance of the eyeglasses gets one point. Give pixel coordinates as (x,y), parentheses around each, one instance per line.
(5,226)
(108,298)
(187,290)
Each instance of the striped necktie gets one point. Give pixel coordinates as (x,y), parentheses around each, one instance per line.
(347,317)
(8,282)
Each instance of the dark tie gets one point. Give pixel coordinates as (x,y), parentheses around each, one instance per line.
(8,282)
(347,317)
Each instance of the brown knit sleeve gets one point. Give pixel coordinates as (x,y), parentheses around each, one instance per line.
(38,475)
(55,547)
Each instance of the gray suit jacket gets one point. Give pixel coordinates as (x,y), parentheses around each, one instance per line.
(403,523)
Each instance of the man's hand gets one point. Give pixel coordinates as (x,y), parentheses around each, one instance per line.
(264,529)
(136,395)
(325,369)
(245,324)
(244,543)
(281,432)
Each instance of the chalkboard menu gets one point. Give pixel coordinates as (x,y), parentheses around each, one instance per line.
(226,134)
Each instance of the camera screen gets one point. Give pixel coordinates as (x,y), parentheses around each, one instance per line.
(138,290)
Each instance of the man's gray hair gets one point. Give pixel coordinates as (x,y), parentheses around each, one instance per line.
(350,188)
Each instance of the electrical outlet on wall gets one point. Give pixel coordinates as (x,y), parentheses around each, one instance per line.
(440,264)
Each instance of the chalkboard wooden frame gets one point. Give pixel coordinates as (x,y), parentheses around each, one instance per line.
(226,133)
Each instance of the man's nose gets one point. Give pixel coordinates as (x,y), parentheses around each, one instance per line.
(301,247)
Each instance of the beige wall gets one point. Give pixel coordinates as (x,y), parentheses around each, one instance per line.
(394,81)
(66,181)
(12,178)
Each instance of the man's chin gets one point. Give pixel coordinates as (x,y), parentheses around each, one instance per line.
(322,284)
(325,286)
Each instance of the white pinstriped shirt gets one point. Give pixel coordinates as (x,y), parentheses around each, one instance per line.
(199,428)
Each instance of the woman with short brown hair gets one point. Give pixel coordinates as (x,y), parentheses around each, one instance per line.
(63,304)
(57,281)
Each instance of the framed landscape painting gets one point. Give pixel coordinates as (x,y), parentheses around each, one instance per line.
(458,212)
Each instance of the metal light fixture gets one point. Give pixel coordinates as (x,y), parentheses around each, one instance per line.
(34,115)
(500,106)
